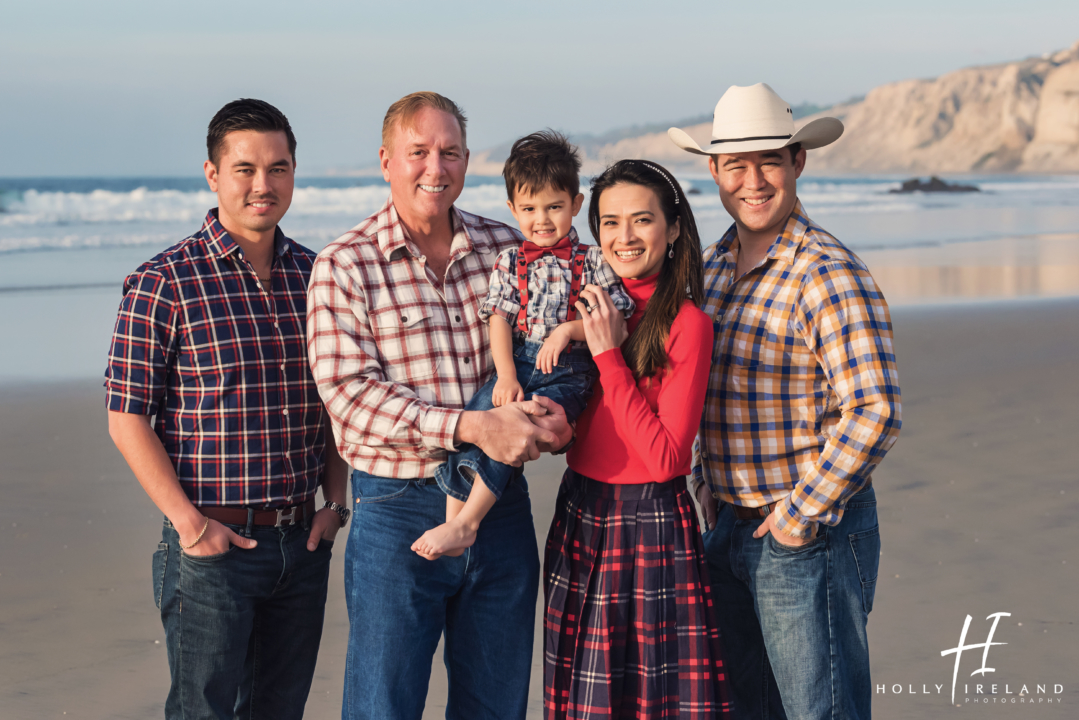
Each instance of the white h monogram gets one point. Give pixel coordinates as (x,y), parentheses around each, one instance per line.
(995,617)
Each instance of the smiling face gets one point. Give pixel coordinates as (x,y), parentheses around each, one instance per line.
(758,189)
(425,166)
(253,178)
(545,217)
(633,232)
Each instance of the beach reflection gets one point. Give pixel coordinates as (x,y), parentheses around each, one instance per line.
(1000,269)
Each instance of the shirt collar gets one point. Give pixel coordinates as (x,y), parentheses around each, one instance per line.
(786,243)
(392,235)
(222,245)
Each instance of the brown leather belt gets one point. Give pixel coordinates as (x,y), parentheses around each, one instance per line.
(278,517)
(759,513)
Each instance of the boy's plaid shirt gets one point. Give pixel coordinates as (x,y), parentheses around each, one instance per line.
(223,366)
(549,280)
(396,356)
(803,399)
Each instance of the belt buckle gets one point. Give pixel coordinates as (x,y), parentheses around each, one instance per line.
(282,517)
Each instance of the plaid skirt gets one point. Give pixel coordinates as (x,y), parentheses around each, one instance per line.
(630,628)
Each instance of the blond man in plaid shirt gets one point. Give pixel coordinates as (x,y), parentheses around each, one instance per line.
(803,402)
(397,349)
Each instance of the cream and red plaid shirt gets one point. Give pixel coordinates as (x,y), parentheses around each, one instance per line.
(395,355)
(803,399)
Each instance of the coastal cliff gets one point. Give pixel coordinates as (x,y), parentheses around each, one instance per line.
(1011,117)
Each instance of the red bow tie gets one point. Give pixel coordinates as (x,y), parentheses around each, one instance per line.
(562,249)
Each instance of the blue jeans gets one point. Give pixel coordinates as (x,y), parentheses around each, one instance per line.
(793,620)
(242,628)
(569,385)
(400,604)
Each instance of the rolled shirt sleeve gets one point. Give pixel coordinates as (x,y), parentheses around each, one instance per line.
(143,340)
(503,297)
(603,275)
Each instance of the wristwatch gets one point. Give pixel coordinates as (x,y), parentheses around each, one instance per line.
(342,512)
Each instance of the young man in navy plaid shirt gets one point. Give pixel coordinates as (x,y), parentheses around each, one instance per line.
(211,339)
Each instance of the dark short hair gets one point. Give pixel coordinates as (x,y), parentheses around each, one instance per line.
(795,148)
(247,114)
(542,160)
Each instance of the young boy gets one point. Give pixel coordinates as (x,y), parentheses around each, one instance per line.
(531,318)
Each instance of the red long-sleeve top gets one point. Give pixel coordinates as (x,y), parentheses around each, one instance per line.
(639,431)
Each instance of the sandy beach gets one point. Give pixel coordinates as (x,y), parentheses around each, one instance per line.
(977,508)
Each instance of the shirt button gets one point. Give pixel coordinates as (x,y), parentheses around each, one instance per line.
(457,318)
(404,318)
(284,412)
(277,325)
(468,360)
(282,367)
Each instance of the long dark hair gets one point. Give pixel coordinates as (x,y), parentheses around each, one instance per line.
(680,277)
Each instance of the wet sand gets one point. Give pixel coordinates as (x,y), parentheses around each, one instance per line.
(977,509)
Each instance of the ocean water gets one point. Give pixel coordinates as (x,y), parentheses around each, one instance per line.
(67,243)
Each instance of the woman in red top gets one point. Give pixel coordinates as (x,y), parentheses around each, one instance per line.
(630,629)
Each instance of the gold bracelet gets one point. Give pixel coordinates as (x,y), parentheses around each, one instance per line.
(188,547)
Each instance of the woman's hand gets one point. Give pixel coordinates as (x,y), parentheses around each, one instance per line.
(604,327)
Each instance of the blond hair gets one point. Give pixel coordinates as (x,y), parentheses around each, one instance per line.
(403,114)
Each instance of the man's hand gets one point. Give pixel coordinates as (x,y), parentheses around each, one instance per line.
(555,421)
(709,505)
(505,434)
(506,390)
(215,540)
(324,526)
(769,526)
(552,347)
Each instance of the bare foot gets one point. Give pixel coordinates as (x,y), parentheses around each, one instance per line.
(450,538)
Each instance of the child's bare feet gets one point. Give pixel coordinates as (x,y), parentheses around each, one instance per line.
(450,538)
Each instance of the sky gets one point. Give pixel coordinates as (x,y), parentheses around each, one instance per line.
(127,88)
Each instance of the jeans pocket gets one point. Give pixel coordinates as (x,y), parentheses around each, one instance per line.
(206,559)
(866,548)
(373,489)
(161,559)
(786,550)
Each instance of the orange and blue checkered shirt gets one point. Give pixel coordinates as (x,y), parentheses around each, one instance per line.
(803,399)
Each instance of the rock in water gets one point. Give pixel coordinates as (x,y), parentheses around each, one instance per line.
(934,185)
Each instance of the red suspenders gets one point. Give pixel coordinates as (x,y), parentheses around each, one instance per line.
(576,269)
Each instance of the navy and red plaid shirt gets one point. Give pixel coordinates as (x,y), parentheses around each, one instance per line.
(222,363)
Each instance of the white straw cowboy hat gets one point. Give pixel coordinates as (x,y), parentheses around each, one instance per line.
(755,118)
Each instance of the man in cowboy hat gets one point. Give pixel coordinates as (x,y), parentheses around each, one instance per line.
(803,403)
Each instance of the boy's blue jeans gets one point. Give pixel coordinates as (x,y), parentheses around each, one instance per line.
(794,618)
(569,385)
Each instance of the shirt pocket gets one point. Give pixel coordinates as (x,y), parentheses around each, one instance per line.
(409,343)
